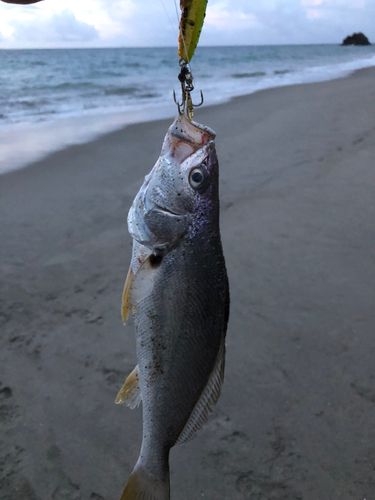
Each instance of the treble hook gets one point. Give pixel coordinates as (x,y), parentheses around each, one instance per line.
(182,105)
(200,104)
(186,105)
(179,105)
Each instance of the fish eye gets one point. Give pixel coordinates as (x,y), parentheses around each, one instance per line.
(197,178)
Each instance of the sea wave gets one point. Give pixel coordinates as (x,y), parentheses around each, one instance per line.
(149,95)
(26,104)
(255,74)
(121,91)
(54,85)
(38,63)
(61,87)
(132,65)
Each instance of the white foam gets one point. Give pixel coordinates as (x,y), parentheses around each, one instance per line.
(24,143)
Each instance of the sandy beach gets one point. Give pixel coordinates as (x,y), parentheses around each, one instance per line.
(296,417)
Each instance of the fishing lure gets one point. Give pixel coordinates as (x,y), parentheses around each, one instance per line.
(193,13)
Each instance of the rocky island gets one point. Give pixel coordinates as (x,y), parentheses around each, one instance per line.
(356,39)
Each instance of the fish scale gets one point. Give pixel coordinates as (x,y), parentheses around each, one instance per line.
(179,338)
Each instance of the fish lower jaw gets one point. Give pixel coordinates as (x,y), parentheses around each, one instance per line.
(167,211)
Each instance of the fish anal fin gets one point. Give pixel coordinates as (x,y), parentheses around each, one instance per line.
(130,392)
(143,486)
(207,401)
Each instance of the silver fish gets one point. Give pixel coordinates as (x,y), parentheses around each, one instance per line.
(177,289)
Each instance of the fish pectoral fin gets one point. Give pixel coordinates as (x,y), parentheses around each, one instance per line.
(125,304)
(207,401)
(130,392)
(139,281)
(142,282)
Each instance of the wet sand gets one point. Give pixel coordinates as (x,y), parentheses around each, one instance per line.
(297,412)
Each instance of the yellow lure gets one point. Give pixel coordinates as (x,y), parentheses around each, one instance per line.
(192,17)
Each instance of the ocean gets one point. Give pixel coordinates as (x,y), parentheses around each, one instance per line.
(53,98)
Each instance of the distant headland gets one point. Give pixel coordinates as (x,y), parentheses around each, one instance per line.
(356,39)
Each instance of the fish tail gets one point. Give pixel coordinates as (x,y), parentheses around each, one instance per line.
(144,486)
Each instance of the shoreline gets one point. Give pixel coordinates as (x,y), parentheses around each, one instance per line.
(25,144)
(295,419)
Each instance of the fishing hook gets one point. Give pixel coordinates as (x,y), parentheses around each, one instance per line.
(186,105)
(200,104)
(179,104)
(186,79)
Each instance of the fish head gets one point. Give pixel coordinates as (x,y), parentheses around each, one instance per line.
(180,195)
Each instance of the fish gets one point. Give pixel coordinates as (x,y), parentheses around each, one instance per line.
(177,290)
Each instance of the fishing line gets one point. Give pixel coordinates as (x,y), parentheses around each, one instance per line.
(176,9)
(173,28)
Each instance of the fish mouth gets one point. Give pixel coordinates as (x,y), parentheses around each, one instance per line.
(149,204)
(166,210)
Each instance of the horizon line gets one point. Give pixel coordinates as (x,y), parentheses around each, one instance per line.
(170,46)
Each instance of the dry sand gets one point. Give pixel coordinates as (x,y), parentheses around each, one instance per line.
(296,419)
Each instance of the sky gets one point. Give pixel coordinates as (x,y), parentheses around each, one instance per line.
(152,23)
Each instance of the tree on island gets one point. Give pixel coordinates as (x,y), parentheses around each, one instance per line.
(356,39)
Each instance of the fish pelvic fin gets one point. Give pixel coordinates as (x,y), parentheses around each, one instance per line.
(130,392)
(144,486)
(207,401)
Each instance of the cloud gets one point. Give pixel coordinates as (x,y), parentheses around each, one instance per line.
(311,3)
(60,27)
(293,21)
(230,19)
(141,26)
(359,4)
(103,23)
(313,13)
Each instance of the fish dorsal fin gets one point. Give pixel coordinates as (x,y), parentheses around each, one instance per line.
(207,400)
(130,392)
